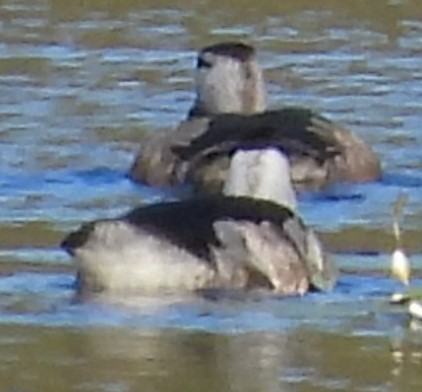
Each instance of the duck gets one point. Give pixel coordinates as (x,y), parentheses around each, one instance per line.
(249,237)
(230,113)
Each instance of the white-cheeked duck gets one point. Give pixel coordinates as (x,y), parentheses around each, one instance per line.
(250,237)
(229,113)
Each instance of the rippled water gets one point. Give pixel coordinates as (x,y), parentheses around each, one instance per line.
(83,82)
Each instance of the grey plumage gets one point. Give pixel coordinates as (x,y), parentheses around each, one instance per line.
(225,241)
(229,114)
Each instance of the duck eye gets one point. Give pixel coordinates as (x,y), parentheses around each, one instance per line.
(202,63)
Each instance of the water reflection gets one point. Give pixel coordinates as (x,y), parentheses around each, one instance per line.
(126,359)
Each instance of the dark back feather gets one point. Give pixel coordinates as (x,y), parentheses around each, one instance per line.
(189,223)
(295,131)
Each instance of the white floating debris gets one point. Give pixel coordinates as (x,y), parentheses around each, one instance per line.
(400,266)
(415,309)
(399,298)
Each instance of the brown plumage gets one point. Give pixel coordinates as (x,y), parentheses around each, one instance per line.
(229,114)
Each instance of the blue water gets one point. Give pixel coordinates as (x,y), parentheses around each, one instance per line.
(74,111)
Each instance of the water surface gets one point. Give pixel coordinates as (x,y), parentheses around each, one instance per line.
(83,82)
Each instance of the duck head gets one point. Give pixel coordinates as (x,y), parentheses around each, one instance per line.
(262,174)
(228,80)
